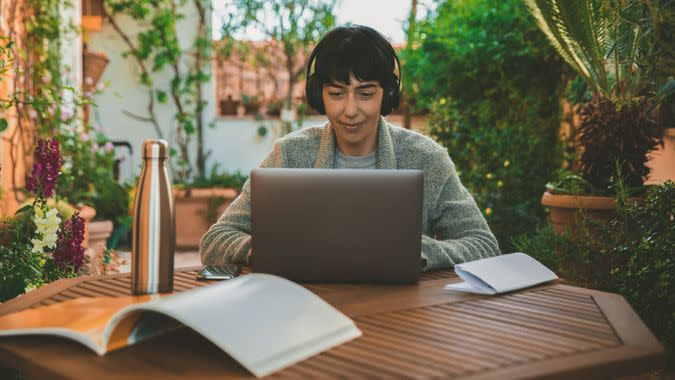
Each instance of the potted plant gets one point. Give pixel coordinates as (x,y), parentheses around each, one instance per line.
(199,203)
(274,107)
(228,107)
(607,46)
(251,104)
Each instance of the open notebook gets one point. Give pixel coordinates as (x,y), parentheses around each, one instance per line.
(264,322)
(501,274)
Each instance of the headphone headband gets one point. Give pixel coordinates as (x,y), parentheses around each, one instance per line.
(311,68)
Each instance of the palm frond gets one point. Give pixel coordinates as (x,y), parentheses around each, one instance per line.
(596,37)
(546,14)
(587,28)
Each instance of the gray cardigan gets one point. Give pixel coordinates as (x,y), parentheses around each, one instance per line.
(453,229)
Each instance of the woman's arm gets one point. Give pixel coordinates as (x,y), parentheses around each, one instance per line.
(461,232)
(229,239)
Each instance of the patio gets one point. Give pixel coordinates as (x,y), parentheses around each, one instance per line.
(557,117)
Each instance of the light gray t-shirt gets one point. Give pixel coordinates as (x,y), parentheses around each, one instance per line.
(355,162)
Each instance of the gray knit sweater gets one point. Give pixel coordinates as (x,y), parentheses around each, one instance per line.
(453,229)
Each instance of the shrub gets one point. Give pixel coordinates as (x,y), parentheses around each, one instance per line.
(631,255)
(492,84)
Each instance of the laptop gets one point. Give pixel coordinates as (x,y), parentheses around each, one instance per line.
(337,225)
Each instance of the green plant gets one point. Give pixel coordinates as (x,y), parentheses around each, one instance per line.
(611,46)
(492,85)
(632,255)
(39,244)
(568,183)
(217,179)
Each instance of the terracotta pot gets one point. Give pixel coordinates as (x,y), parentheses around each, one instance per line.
(87,213)
(565,210)
(99,232)
(662,160)
(228,107)
(251,108)
(196,211)
(94,64)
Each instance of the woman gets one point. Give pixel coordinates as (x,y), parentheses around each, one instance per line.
(353,77)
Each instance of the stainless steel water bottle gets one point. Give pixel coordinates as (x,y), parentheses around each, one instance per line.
(153,237)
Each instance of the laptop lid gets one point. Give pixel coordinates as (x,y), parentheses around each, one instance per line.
(346,225)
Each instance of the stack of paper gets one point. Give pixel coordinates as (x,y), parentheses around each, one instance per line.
(501,274)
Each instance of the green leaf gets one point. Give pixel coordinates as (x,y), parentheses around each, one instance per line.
(162,96)
(3,124)
(23,209)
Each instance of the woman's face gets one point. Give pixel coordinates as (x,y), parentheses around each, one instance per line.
(354,112)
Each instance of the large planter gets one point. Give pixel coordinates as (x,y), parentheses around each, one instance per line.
(196,211)
(662,160)
(98,231)
(565,211)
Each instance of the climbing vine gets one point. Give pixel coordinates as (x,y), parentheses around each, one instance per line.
(155,48)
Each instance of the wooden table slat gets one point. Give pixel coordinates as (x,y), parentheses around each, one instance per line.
(456,338)
(548,314)
(537,301)
(487,333)
(525,334)
(457,355)
(467,359)
(521,320)
(545,295)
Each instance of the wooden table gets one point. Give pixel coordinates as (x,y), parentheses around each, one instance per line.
(420,331)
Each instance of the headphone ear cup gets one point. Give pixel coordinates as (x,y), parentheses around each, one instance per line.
(391,97)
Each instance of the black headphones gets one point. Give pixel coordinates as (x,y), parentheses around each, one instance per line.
(392,89)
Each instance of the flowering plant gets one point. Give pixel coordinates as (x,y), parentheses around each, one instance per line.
(37,245)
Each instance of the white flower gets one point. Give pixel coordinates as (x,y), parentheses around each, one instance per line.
(38,245)
(47,227)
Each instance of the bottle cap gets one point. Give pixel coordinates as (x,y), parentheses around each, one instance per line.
(154,148)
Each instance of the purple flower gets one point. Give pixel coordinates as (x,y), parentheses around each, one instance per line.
(109,147)
(69,250)
(42,181)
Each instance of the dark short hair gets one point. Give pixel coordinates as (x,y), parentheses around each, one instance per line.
(356,49)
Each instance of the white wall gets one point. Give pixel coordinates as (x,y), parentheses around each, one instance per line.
(236,145)
(71,42)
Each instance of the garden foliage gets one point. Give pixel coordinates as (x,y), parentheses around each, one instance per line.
(492,84)
(631,255)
